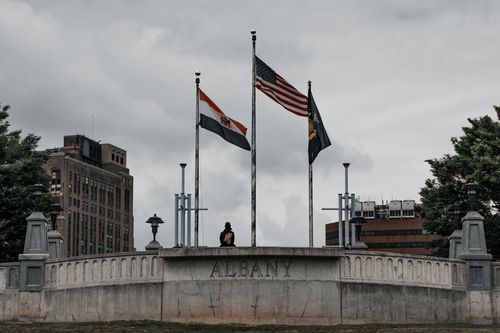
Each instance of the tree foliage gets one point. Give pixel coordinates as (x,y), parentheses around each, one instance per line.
(476,158)
(20,167)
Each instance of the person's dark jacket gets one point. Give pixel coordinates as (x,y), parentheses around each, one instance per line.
(226,238)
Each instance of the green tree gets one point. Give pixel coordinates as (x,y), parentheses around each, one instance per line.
(476,158)
(20,167)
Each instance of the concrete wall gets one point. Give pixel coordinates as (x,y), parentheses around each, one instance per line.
(381,287)
(103,288)
(252,286)
(245,285)
(9,293)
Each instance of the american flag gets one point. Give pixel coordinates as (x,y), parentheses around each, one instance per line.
(276,87)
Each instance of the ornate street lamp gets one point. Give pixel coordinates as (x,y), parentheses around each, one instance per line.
(38,191)
(155,222)
(472,194)
(55,209)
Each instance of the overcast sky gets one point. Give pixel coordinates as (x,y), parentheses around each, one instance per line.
(393,80)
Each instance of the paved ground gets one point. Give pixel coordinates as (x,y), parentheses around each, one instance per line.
(156,327)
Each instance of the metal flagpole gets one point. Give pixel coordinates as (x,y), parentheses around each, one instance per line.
(341,225)
(311,242)
(346,206)
(197,161)
(311,225)
(183,206)
(254,155)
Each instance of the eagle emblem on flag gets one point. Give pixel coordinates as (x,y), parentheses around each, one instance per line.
(225,121)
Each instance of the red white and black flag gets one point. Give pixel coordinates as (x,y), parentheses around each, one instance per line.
(213,119)
(276,87)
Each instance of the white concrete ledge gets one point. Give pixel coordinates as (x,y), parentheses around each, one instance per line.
(207,252)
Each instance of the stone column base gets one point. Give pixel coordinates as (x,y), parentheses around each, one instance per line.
(32,267)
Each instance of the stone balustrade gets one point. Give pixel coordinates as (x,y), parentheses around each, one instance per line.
(410,270)
(495,269)
(9,275)
(137,267)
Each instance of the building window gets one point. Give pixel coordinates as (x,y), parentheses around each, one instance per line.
(118,196)
(117,238)
(69,235)
(395,213)
(127,200)
(77,179)
(92,242)
(109,238)
(408,213)
(110,196)
(100,247)
(70,185)
(102,193)
(126,239)
(55,182)
(369,214)
(93,190)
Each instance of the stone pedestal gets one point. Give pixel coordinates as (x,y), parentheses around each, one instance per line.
(153,246)
(32,268)
(32,261)
(55,243)
(455,244)
(474,252)
(358,245)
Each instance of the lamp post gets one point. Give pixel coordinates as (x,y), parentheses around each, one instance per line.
(55,209)
(456,215)
(358,222)
(155,222)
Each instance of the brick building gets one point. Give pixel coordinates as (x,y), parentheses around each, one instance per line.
(395,227)
(95,190)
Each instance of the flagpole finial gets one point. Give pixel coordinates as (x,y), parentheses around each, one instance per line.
(309,83)
(197,73)
(253,32)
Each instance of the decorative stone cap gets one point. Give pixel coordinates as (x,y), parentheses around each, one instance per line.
(473,256)
(457,234)
(153,246)
(34,256)
(251,252)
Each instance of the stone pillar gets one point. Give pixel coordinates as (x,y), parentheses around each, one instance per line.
(357,222)
(474,252)
(55,244)
(455,244)
(32,261)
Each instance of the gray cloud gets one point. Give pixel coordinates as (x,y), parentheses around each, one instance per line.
(393,80)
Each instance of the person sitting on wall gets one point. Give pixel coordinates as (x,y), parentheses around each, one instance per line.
(227,236)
